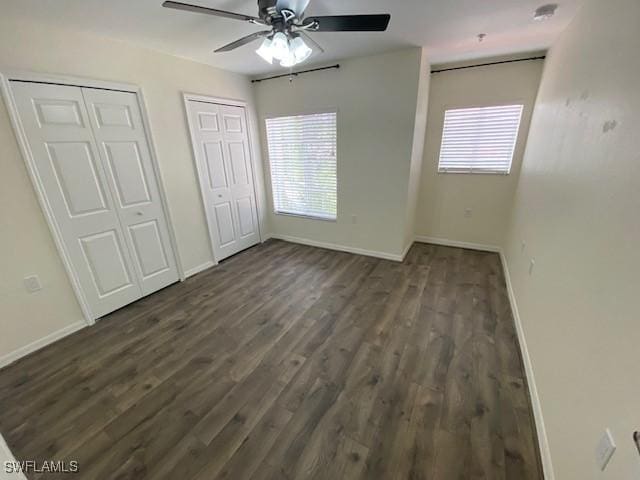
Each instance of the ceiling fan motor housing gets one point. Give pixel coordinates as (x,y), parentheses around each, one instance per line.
(267,10)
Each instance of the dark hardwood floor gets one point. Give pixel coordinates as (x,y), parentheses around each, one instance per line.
(289,362)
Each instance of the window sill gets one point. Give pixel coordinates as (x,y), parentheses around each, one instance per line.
(306,217)
(474,172)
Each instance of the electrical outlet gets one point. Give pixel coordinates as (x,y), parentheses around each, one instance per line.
(468,213)
(523,245)
(604,450)
(532,264)
(32,284)
(354,219)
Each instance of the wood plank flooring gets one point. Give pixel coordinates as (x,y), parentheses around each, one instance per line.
(289,362)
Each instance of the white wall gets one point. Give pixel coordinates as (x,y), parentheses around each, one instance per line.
(376,101)
(26,245)
(445,197)
(577,208)
(417,149)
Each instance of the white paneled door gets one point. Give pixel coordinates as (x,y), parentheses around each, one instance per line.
(221,146)
(92,160)
(122,144)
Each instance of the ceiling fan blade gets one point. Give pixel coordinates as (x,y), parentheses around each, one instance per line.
(349,23)
(313,43)
(243,41)
(212,11)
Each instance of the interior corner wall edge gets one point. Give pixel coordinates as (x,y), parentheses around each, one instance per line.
(376,101)
(28,247)
(417,148)
(576,214)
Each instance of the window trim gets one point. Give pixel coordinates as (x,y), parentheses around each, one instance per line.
(298,113)
(471,171)
(306,217)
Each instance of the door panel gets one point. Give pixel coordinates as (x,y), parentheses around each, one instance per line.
(110,115)
(239,165)
(147,242)
(208,121)
(58,112)
(246,215)
(216,171)
(226,177)
(232,121)
(75,171)
(224,222)
(74,181)
(104,254)
(117,125)
(126,167)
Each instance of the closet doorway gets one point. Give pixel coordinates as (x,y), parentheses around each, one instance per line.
(220,138)
(90,159)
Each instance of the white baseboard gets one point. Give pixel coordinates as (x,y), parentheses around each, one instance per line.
(406,250)
(543,442)
(200,268)
(340,248)
(456,243)
(383,255)
(40,343)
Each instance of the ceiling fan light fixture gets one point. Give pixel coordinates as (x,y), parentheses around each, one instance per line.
(266,50)
(289,61)
(280,46)
(300,49)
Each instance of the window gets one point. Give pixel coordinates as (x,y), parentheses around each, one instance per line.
(302,154)
(479,140)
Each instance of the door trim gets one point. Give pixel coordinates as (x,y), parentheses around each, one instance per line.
(7,94)
(193,97)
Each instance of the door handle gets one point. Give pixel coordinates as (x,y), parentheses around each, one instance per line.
(219,195)
(139,213)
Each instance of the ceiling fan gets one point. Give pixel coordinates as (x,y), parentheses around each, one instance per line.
(285,40)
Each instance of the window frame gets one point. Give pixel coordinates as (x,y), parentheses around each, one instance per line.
(319,111)
(471,171)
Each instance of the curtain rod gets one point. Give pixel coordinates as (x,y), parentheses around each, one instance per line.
(490,63)
(295,74)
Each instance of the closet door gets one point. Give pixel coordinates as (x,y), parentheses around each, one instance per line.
(68,165)
(122,144)
(221,146)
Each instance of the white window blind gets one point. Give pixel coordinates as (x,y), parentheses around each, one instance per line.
(302,154)
(479,140)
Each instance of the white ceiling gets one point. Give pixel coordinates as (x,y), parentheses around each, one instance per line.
(447,28)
